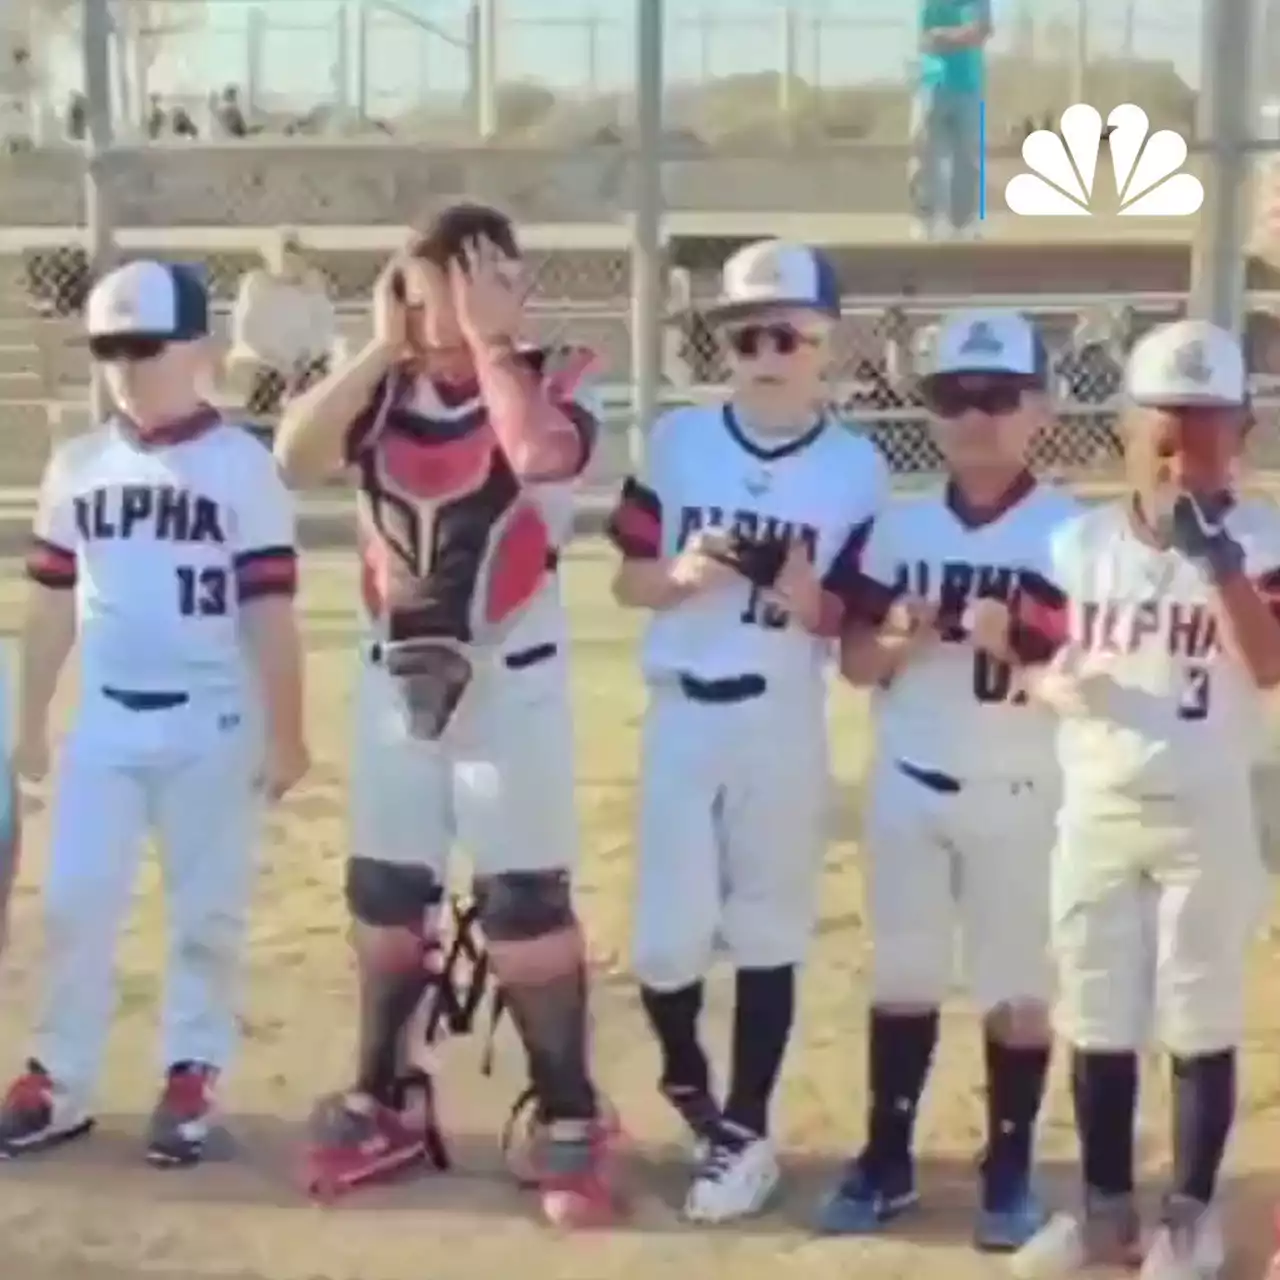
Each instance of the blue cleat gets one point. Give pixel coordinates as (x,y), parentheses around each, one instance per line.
(866,1199)
(1011,1212)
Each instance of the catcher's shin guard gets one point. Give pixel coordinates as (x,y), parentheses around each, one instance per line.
(352,1147)
(433,675)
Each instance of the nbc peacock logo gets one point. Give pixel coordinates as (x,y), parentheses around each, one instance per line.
(1062,167)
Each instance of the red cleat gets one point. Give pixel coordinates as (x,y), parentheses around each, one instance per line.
(578,1174)
(354,1142)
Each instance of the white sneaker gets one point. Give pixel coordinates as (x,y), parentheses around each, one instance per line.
(922,229)
(1108,1234)
(1057,1249)
(736,1178)
(1193,1252)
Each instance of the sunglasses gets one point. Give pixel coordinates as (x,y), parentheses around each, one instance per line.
(785,339)
(950,395)
(126,348)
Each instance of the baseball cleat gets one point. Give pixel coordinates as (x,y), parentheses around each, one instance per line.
(181,1125)
(1011,1212)
(37,1115)
(736,1177)
(868,1197)
(1108,1234)
(356,1142)
(577,1174)
(1188,1245)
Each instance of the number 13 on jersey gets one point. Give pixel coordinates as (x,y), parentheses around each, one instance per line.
(203,593)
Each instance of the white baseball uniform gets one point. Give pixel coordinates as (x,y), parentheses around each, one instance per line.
(734,771)
(500,781)
(964,788)
(1158,879)
(163,543)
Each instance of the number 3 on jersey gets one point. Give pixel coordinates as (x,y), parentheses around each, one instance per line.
(202,593)
(1193,704)
(993,681)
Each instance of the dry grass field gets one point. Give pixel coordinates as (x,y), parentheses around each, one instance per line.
(97,1213)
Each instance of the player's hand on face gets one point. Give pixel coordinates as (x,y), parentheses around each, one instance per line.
(989,624)
(286,764)
(488,294)
(31,756)
(702,564)
(390,315)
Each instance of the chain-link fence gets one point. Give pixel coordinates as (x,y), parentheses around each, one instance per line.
(637,145)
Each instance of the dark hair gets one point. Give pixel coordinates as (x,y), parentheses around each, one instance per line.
(444,238)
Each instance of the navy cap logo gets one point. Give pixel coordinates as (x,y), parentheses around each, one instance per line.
(981,340)
(1190,363)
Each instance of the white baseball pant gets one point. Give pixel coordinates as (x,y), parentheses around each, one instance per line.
(734,802)
(188,773)
(500,782)
(976,858)
(1153,916)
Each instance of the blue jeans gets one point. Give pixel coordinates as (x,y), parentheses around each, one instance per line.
(946,164)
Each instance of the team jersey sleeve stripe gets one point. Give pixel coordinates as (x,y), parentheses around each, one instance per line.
(635,527)
(268,571)
(1269,589)
(1040,620)
(51,565)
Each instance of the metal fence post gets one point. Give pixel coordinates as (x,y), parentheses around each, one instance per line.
(96,31)
(487,23)
(647,240)
(1225,122)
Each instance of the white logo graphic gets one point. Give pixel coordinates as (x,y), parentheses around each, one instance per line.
(1063,165)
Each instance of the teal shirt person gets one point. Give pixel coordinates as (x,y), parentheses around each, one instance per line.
(953,71)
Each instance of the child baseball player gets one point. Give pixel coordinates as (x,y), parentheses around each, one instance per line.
(1168,637)
(164,553)
(964,791)
(467,445)
(739,539)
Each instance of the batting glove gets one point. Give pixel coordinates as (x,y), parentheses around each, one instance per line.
(1200,534)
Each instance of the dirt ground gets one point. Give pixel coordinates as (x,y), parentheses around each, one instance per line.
(97,1213)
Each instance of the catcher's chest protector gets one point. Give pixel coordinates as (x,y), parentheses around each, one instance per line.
(453,547)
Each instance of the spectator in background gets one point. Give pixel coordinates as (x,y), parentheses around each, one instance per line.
(229,114)
(182,125)
(157,118)
(946,119)
(76,123)
(284,327)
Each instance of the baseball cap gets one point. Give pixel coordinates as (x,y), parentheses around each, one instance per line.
(992,342)
(1188,362)
(155,301)
(774,273)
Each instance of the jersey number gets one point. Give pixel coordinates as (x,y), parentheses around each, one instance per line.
(1194,702)
(993,681)
(202,593)
(763,613)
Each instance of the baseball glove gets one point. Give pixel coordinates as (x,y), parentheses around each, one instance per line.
(759,562)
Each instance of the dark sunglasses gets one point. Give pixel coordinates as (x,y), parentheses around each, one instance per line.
(951,394)
(785,339)
(126,348)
